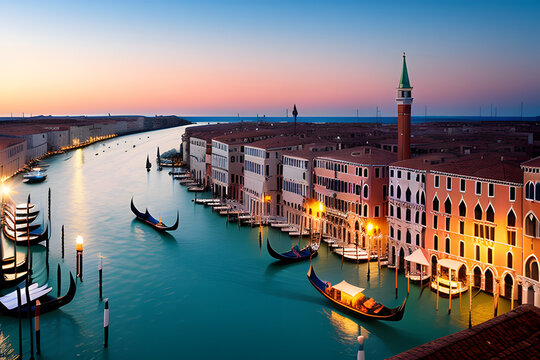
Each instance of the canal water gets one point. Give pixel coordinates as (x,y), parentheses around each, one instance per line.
(204,291)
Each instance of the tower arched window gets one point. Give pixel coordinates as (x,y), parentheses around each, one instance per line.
(408,237)
(511,218)
(366,191)
(398,194)
(478,212)
(462,209)
(417,217)
(408,195)
(448,206)
(423,199)
(529,191)
(418,197)
(435,204)
(391,210)
(447,247)
(408,214)
(398,212)
(490,214)
(424,218)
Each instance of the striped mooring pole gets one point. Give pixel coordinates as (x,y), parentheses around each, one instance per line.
(106,323)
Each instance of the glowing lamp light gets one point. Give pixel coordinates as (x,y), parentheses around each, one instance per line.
(79,245)
(5,189)
(369,227)
(267,198)
(321,207)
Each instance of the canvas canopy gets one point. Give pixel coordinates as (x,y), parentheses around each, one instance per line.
(450,264)
(348,289)
(417,257)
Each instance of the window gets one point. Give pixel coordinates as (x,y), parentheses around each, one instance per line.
(531,225)
(477,252)
(509,260)
(398,212)
(462,185)
(399,174)
(408,237)
(435,221)
(398,192)
(491,190)
(408,175)
(366,191)
(408,215)
(391,172)
(448,206)
(408,195)
(418,197)
(365,173)
(391,210)
(447,224)
(366,211)
(391,190)
(399,234)
(462,227)
(435,204)
(417,239)
(511,219)
(512,193)
(435,242)
(490,256)
(478,212)
(462,209)
(448,183)
(391,231)
(478,188)
(377,172)
(461,249)
(436,181)
(417,217)
(511,237)
(447,248)
(376,214)
(423,199)
(537,192)
(490,214)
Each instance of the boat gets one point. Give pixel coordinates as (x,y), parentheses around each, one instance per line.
(8,266)
(19,213)
(295,254)
(352,299)
(148,219)
(34,176)
(21,219)
(10,280)
(22,227)
(35,237)
(148,163)
(48,302)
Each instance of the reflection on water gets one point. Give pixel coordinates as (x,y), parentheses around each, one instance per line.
(6,349)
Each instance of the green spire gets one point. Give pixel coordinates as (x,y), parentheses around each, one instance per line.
(404,80)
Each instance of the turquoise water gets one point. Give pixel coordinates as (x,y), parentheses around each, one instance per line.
(204,291)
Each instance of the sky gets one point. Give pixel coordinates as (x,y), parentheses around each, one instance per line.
(331,58)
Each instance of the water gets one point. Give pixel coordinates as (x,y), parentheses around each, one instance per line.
(204,291)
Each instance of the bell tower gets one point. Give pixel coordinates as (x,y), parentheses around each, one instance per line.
(404,100)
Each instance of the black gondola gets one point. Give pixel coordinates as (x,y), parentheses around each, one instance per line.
(20,212)
(8,266)
(21,219)
(148,219)
(21,227)
(36,236)
(48,303)
(354,301)
(10,280)
(295,254)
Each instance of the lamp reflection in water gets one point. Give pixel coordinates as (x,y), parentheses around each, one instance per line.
(347,330)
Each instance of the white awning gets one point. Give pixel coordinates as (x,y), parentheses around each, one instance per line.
(450,264)
(348,289)
(417,257)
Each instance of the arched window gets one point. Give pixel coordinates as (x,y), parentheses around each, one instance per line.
(408,195)
(511,219)
(408,215)
(391,210)
(423,199)
(435,242)
(391,190)
(531,268)
(448,206)
(398,212)
(417,239)
(418,197)
(462,209)
(435,204)
(356,226)
(447,250)
(531,225)
(408,237)
(391,231)
(398,192)
(366,211)
(490,214)
(537,192)
(478,212)
(424,218)
(529,191)
(462,249)
(417,217)
(509,261)
(366,191)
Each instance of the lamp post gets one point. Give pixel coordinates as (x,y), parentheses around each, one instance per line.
(370,232)
(79,248)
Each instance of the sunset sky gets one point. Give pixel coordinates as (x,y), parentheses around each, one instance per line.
(249,57)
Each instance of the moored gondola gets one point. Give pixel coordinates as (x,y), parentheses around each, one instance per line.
(295,254)
(48,302)
(19,212)
(10,280)
(21,219)
(148,219)
(351,298)
(23,239)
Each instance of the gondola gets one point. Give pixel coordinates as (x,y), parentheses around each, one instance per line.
(148,219)
(36,236)
(8,266)
(20,212)
(21,219)
(10,280)
(295,254)
(21,227)
(350,298)
(48,302)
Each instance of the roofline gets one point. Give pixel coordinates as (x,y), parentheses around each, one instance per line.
(500,182)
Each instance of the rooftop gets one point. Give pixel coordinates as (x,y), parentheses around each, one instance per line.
(6,142)
(533,162)
(514,335)
(363,155)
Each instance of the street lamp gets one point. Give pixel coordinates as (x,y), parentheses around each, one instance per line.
(79,248)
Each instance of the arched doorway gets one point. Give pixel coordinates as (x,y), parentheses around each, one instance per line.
(489,281)
(508,284)
(401,259)
(433,265)
(477,277)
